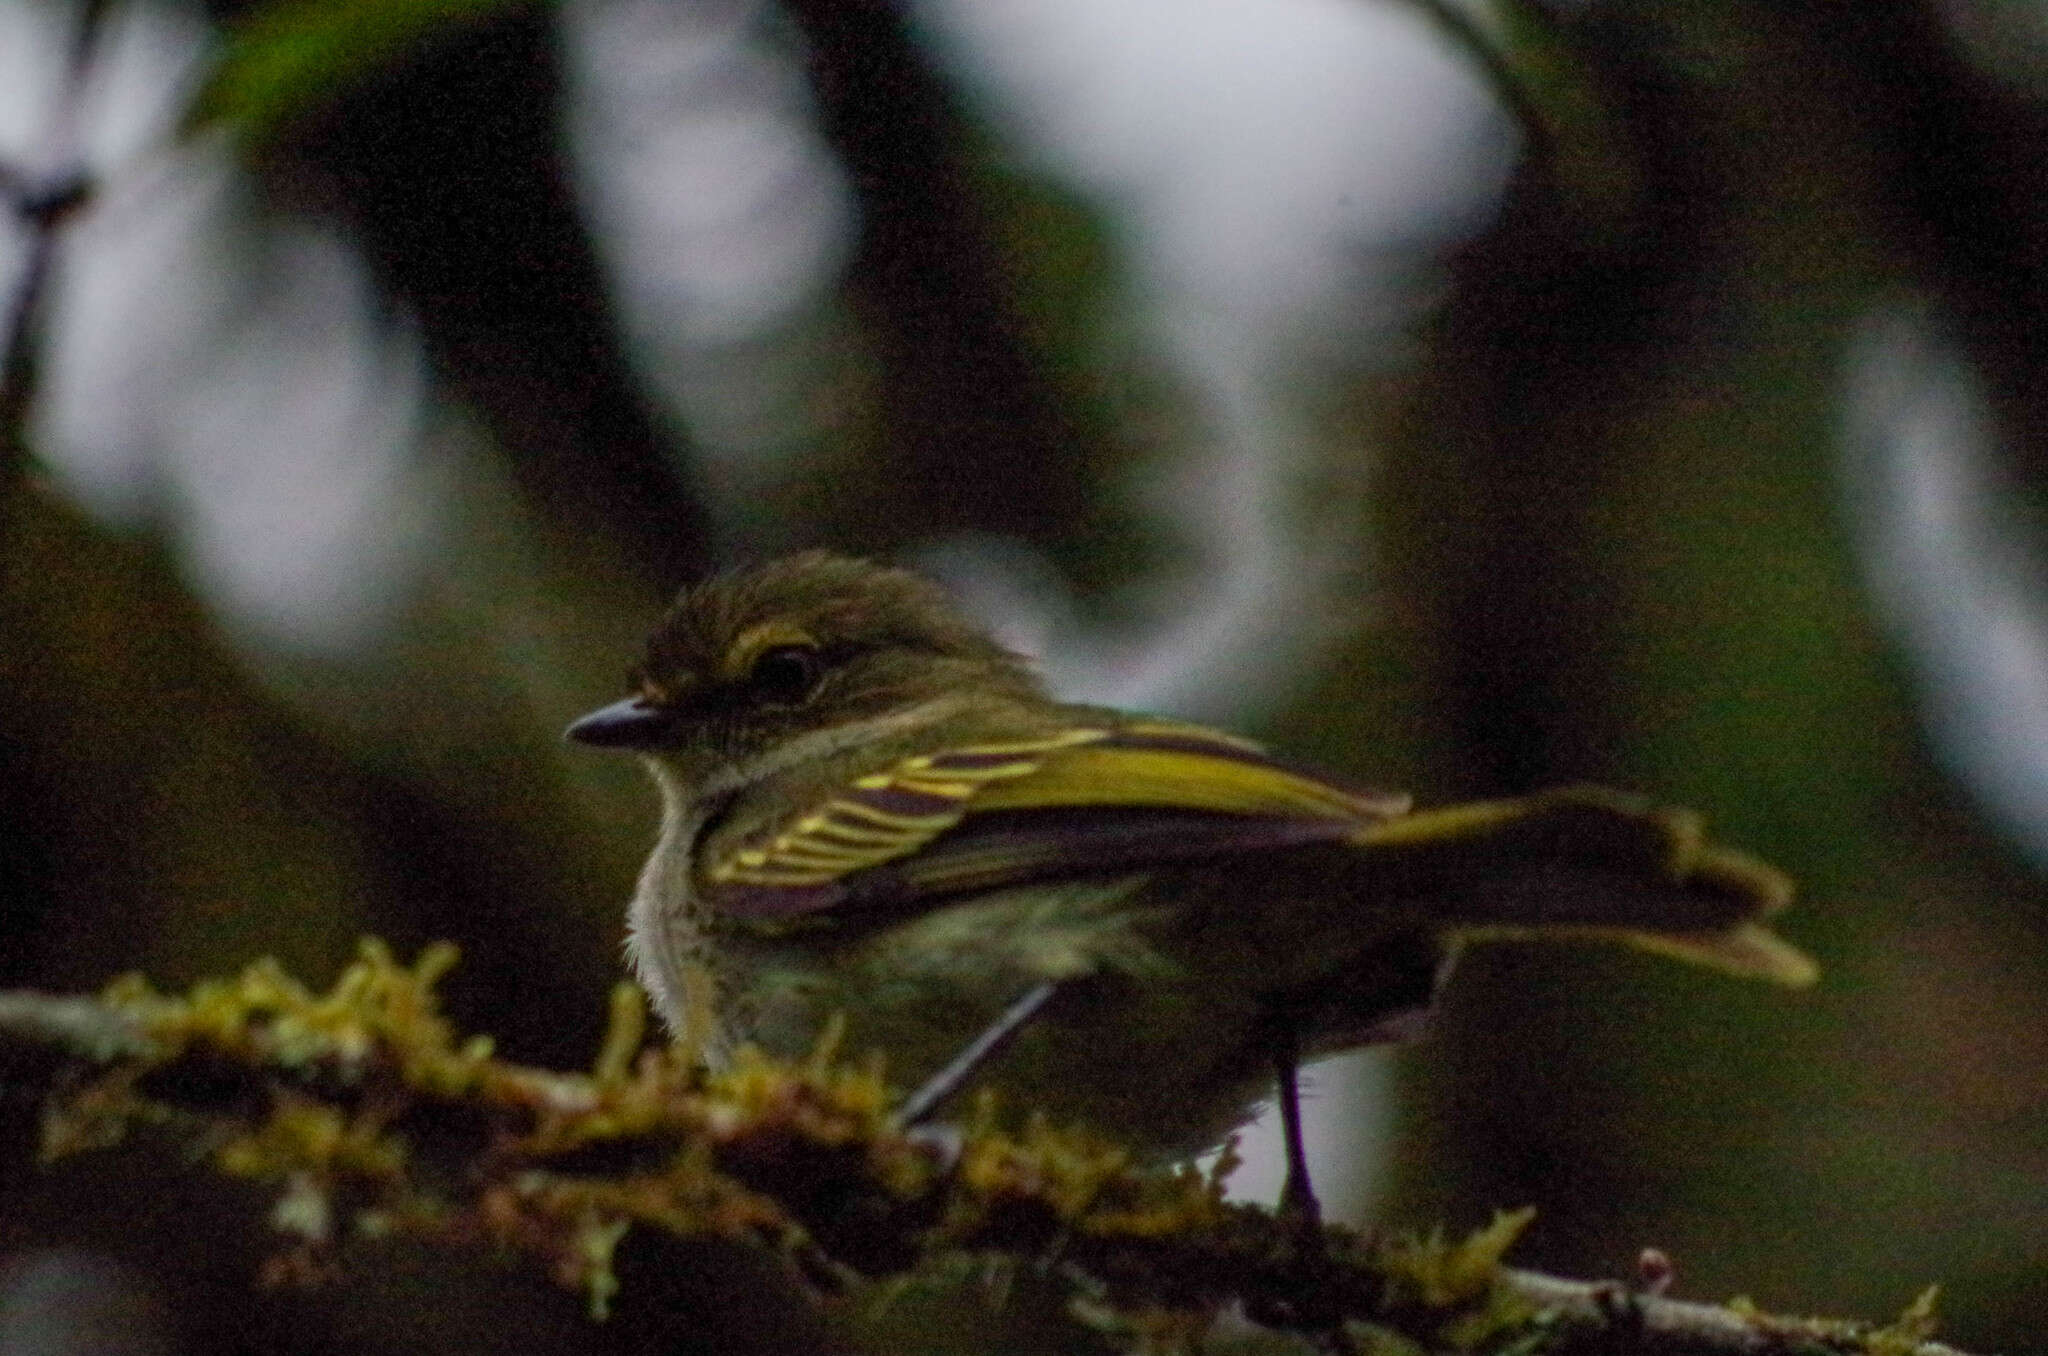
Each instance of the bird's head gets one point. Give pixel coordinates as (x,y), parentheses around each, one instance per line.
(759,664)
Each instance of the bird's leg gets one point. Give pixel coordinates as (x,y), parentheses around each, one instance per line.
(940,1087)
(1305,1249)
(1297,1196)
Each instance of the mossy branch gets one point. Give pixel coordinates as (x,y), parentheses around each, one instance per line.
(370,1115)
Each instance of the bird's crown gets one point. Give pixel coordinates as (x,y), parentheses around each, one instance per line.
(786,623)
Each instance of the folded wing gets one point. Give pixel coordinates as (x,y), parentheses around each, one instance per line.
(1088,801)
(1098,800)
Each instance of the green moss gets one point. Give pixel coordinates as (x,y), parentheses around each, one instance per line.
(1914,1325)
(325,1097)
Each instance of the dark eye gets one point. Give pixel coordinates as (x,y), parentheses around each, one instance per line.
(786,675)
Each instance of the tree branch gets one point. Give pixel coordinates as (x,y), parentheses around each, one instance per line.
(368,1114)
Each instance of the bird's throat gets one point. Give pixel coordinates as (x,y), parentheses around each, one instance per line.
(667,934)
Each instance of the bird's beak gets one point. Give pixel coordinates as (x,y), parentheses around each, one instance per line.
(634,723)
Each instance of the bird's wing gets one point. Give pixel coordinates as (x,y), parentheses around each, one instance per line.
(1088,801)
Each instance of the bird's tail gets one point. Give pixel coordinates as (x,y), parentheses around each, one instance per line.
(1586,861)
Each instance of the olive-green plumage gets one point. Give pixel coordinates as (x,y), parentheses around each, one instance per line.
(870,808)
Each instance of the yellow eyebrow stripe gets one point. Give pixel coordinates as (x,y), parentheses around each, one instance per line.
(756,641)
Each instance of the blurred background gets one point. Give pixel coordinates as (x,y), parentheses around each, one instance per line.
(1466,396)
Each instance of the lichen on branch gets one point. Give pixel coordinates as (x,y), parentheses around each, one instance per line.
(369,1114)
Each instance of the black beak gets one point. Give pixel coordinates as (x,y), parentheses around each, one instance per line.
(634,723)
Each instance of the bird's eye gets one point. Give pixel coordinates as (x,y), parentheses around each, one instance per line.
(786,675)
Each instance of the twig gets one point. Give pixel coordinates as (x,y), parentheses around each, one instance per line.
(369,1114)
(35,1026)
(1587,1310)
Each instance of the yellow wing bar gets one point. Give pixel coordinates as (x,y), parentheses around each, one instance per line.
(1058,790)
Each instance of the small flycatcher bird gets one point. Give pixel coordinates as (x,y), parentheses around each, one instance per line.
(871,808)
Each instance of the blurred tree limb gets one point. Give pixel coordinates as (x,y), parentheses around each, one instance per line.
(430,127)
(964,371)
(372,1116)
(42,197)
(1577,138)
(42,207)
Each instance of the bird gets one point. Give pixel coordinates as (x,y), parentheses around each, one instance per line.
(873,813)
